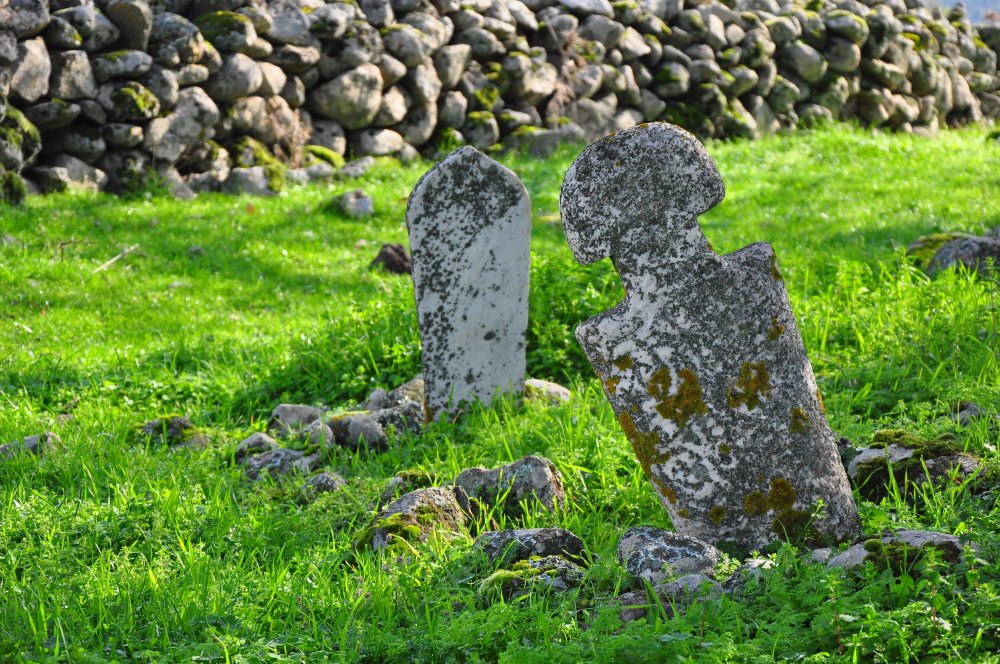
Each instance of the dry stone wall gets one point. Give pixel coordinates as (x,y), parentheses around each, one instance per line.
(248,94)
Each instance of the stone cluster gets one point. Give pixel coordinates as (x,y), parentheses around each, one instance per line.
(244,94)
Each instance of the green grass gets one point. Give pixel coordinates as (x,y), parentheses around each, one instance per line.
(112,549)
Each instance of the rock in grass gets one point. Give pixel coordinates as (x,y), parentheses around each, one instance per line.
(550,574)
(655,555)
(357,167)
(750,569)
(172,430)
(908,458)
(675,597)
(511,486)
(254,444)
(356,204)
(358,430)
(979,254)
(288,418)
(900,551)
(325,482)
(38,446)
(506,547)
(404,482)
(551,393)
(282,461)
(392,258)
(417,517)
(702,362)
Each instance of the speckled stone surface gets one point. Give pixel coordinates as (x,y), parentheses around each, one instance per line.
(702,361)
(469,220)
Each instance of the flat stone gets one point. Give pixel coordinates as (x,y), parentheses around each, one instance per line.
(358,431)
(356,204)
(440,512)
(528,479)
(702,361)
(469,221)
(288,418)
(674,597)
(393,258)
(549,574)
(282,462)
(914,541)
(38,446)
(254,444)
(551,393)
(325,482)
(656,555)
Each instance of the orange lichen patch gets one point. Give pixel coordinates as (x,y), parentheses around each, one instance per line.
(819,397)
(800,421)
(752,384)
(717,514)
(782,494)
(777,329)
(623,362)
(774,269)
(611,384)
(683,513)
(725,450)
(755,503)
(644,444)
(685,404)
(665,491)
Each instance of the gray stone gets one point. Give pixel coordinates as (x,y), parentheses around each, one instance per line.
(238,77)
(228,32)
(588,7)
(702,362)
(72,77)
(325,482)
(30,79)
(25,18)
(847,25)
(481,129)
(281,461)
(602,29)
(469,221)
(505,547)
(8,48)
(174,40)
(914,542)
(655,555)
(551,574)
(51,115)
(357,167)
(273,79)
(753,570)
(172,430)
(196,74)
(805,61)
(289,24)
(67,173)
(255,180)
(295,59)
(440,512)
(423,84)
(120,64)
(352,99)
(395,103)
(355,204)
(134,19)
(407,44)
(191,122)
(254,444)
(289,418)
(391,69)
(358,431)
(450,63)
(97,31)
(328,134)
(672,598)
(59,34)
(38,446)
(377,142)
(975,253)
(525,480)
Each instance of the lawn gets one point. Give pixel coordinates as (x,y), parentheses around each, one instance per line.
(114,549)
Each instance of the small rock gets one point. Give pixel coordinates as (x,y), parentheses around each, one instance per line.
(404,482)
(254,444)
(38,445)
(440,512)
(675,597)
(543,390)
(548,574)
(750,569)
(409,416)
(357,167)
(356,204)
(288,418)
(975,253)
(393,258)
(509,546)
(325,482)
(172,430)
(377,400)
(655,555)
(893,550)
(358,430)
(282,462)
(526,479)
(411,390)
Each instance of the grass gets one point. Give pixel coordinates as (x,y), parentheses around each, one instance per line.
(112,549)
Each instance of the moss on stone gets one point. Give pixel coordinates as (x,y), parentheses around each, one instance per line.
(751,385)
(792,525)
(326,154)
(873,476)
(800,421)
(777,329)
(717,514)
(215,24)
(781,495)
(133,101)
(644,444)
(12,188)
(686,403)
(755,504)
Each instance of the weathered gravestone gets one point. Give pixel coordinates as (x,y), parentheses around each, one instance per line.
(702,361)
(469,220)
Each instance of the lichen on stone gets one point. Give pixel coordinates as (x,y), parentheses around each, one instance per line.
(686,403)
(800,421)
(752,384)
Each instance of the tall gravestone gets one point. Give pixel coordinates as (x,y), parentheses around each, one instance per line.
(469,220)
(702,361)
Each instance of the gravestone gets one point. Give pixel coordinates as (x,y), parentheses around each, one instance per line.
(469,220)
(702,361)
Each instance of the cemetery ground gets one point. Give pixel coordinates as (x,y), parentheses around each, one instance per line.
(115,548)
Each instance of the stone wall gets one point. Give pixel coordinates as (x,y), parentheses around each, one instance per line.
(245,94)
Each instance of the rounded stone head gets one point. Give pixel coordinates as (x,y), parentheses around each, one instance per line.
(655,178)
